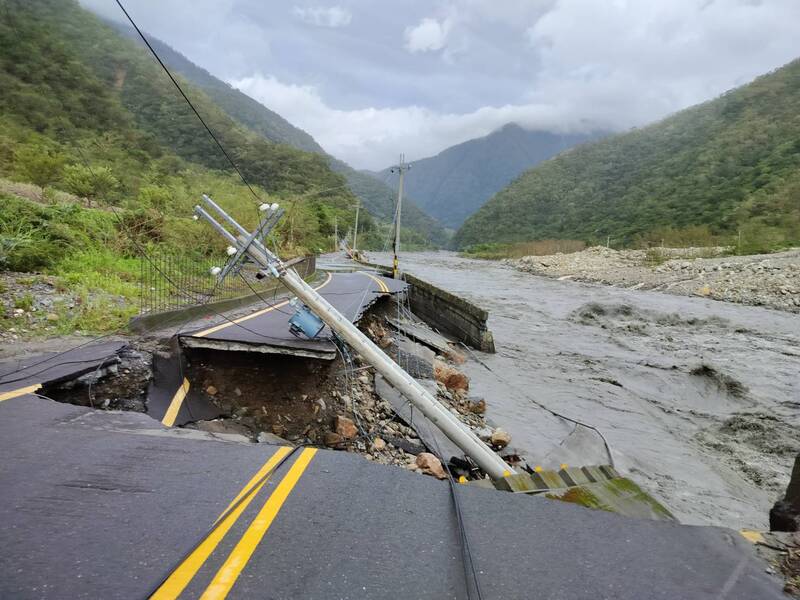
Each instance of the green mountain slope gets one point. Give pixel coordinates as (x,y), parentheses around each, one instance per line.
(456,182)
(728,164)
(419,228)
(73,88)
(254,115)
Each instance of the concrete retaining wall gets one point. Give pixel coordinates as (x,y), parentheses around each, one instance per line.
(447,312)
(305,265)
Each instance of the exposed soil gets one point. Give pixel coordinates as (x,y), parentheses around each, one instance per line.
(119,384)
(285,399)
(333,404)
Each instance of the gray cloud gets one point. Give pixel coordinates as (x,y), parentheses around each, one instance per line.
(370,83)
(334,16)
(428,35)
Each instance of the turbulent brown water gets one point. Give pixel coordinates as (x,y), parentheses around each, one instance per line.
(699,399)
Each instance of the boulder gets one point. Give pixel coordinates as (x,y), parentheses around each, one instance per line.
(785,514)
(500,438)
(332,439)
(346,428)
(430,465)
(211,390)
(378,444)
(450,377)
(476,405)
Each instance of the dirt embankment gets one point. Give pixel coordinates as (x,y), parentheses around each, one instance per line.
(771,280)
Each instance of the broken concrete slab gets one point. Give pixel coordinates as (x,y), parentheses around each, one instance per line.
(430,435)
(422,333)
(30,373)
(322,351)
(417,360)
(171,399)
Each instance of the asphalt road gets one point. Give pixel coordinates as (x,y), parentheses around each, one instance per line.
(102,504)
(267,328)
(30,373)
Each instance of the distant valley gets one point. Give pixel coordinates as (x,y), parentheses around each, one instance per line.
(455,183)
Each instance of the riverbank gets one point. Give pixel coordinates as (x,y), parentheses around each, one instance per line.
(771,280)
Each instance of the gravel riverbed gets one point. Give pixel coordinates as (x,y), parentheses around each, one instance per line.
(771,280)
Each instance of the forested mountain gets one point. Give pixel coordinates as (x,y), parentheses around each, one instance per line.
(376,197)
(731,164)
(459,180)
(74,90)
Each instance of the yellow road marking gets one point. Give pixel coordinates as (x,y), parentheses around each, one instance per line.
(239,557)
(384,288)
(258,313)
(19,392)
(180,577)
(751,536)
(175,405)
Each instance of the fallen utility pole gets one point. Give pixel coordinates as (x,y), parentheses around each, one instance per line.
(247,244)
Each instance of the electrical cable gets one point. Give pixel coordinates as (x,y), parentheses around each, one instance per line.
(121,222)
(189,102)
(545,408)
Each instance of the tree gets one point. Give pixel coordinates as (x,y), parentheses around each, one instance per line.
(89,183)
(38,164)
(156,196)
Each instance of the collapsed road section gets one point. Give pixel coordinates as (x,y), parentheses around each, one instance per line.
(208,512)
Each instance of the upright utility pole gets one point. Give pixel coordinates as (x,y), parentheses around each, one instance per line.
(355,229)
(335,233)
(401,169)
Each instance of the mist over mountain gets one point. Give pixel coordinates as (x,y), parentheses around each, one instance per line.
(376,197)
(456,182)
(728,165)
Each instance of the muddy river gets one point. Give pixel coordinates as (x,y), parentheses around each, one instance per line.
(699,400)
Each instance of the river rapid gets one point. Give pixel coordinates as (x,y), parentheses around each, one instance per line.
(699,399)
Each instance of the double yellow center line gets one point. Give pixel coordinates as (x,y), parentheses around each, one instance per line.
(227,575)
(383,287)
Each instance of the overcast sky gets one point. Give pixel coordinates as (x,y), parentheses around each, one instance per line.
(370,79)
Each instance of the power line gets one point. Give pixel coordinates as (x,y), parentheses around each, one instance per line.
(189,102)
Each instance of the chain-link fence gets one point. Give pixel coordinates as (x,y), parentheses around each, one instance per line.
(170,281)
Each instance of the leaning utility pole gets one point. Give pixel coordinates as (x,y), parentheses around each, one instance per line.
(401,169)
(252,245)
(355,229)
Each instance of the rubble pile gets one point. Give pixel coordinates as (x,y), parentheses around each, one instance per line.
(338,405)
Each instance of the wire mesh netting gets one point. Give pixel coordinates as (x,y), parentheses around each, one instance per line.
(169,282)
